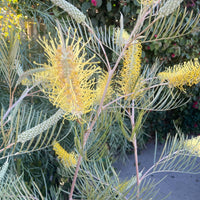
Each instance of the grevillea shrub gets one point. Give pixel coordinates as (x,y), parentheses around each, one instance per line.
(95,80)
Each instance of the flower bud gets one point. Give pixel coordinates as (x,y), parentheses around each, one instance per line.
(71,10)
(169,7)
(33,132)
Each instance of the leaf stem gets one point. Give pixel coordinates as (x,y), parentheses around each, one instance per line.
(7,147)
(75,177)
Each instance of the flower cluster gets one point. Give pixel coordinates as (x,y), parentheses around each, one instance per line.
(10,1)
(121,37)
(129,80)
(101,87)
(195,105)
(94,3)
(69,77)
(182,74)
(67,159)
(193,145)
(146,2)
(9,20)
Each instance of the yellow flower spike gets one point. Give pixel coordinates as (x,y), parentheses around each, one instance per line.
(101,87)
(193,145)
(187,73)
(67,159)
(130,81)
(10,1)
(69,76)
(146,2)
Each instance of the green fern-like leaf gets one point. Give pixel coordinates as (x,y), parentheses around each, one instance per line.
(23,132)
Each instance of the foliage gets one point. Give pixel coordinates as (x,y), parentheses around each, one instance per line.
(169,52)
(100,88)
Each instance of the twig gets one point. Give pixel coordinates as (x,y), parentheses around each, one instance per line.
(18,101)
(127,95)
(75,176)
(9,146)
(157,163)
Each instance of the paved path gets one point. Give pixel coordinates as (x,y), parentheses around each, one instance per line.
(181,186)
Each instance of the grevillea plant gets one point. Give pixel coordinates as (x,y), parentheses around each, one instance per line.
(95,77)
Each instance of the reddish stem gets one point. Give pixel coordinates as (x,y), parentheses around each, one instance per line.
(9,146)
(75,177)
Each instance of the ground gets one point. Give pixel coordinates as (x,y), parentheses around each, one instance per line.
(181,186)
